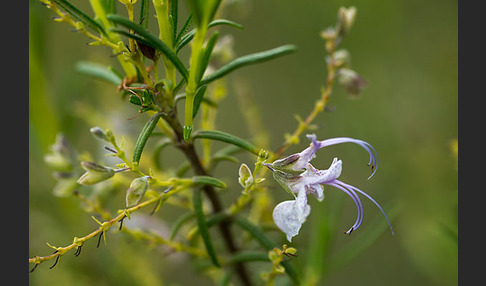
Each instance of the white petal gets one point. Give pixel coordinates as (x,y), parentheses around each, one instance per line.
(335,169)
(290,215)
(301,207)
(313,176)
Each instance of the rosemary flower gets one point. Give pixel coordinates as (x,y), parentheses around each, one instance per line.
(290,215)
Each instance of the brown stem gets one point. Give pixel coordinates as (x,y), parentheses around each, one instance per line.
(190,152)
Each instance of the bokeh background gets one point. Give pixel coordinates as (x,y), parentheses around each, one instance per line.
(405,49)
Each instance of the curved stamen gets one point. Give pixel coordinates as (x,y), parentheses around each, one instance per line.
(370,198)
(338,140)
(356,200)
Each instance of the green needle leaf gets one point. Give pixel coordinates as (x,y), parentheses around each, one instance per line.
(183,31)
(248,60)
(225,22)
(144,136)
(173,16)
(198,98)
(206,180)
(228,138)
(98,71)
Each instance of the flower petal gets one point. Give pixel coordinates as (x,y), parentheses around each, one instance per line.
(314,176)
(309,153)
(290,215)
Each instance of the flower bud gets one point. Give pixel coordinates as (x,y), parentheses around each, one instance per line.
(245,179)
(98,133)
(351,81)
(94,173)
(79,26)
(136,191)
(328,34)
(342,59)
(263,154)
(345,20)
(291,251)
(272,255)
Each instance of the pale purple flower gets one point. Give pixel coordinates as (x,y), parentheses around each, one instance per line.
(290,215)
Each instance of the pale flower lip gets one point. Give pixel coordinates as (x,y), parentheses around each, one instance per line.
(290,215)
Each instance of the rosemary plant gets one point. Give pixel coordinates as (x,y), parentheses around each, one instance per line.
(153,76)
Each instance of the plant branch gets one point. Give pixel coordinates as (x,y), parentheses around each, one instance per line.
(105,226)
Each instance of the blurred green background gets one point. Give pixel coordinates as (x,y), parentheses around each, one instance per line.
(406,50)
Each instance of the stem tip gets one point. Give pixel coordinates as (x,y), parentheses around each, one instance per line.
(187,133)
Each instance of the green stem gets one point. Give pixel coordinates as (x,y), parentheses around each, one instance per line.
(166,36)
(192,85)
(100,12)
(137,61)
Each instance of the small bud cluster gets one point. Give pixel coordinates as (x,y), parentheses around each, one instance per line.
(277,256)
(340,59)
